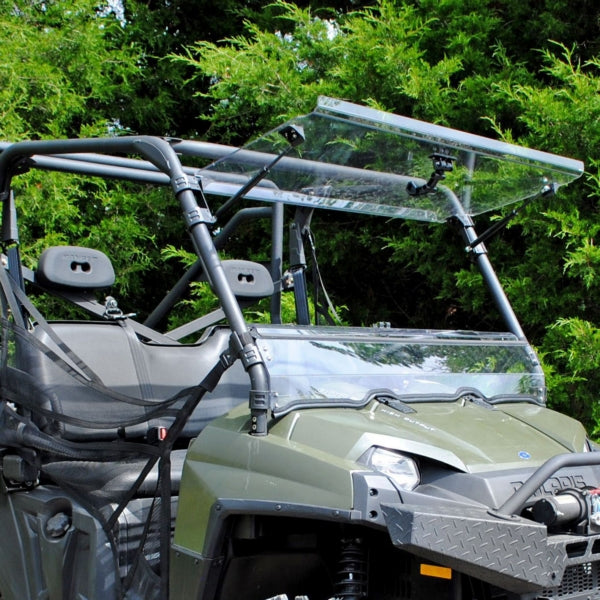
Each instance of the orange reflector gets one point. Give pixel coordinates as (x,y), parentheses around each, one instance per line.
(435,571)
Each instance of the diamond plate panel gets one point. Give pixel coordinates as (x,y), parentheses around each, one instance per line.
(509,552)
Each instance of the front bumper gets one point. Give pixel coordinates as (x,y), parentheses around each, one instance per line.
(509,552)
(500,547)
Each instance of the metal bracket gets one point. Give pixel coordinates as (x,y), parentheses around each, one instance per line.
(20,470)
(260,403)
(245,348)
(442,163)
(198,215)
(184,182)
(112,312)
(260,400)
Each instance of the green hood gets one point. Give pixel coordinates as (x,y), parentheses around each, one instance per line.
(465,435)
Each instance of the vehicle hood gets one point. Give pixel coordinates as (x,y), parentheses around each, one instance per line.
(462,434)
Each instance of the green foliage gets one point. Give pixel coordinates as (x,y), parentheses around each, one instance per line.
(247,92)
(262,78)
(68,71)
(160,104)
(563,117)
(201,299)
(572,369)
(55,208)
(61,72)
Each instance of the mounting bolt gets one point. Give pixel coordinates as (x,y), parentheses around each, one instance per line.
(58,525)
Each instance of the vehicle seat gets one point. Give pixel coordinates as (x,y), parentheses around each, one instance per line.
(129,367)
(122,363)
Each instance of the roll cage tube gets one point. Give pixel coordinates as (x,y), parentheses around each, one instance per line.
(160,153)
(481,258)
(193,272)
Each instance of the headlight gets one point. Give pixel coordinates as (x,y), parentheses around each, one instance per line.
(400,469)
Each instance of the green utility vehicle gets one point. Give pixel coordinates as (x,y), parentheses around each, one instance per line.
(226,460)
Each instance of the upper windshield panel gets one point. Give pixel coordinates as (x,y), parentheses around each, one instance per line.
(324,371)
(358,159)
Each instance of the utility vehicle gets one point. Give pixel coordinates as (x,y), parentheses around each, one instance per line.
(225,460)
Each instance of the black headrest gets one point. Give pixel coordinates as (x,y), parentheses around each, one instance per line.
(75,267)
(248,279)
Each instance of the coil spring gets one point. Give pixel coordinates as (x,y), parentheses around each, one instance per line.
(352,582)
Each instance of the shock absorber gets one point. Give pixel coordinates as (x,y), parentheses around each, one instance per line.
(352,582)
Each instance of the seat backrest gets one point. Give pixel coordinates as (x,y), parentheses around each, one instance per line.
(126,365)
(248,280)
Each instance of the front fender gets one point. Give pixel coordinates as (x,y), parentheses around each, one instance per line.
(223,462)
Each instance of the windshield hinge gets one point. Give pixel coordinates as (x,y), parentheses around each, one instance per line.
(477,400)
(388,398)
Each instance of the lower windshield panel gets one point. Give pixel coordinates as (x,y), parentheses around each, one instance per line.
(314,372)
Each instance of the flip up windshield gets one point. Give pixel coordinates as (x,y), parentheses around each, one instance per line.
(358,159)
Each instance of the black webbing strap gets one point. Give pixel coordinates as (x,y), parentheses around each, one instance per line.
(26,303)
(208,384)
(195,395)
(139,361)
(329,309)
(154,409)
(164,481)
(96,513)
(158,410)
(75,367)
(7,288)
(162,454)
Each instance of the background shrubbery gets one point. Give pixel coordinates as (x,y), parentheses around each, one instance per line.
(522,70)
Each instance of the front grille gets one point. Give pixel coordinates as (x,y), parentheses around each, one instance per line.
(580,582)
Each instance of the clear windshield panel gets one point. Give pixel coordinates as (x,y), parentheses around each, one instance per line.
(320,371)
(357,159)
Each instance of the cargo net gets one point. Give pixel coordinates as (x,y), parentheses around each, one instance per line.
(95,443)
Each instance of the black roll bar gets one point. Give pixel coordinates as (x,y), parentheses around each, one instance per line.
(482,260)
